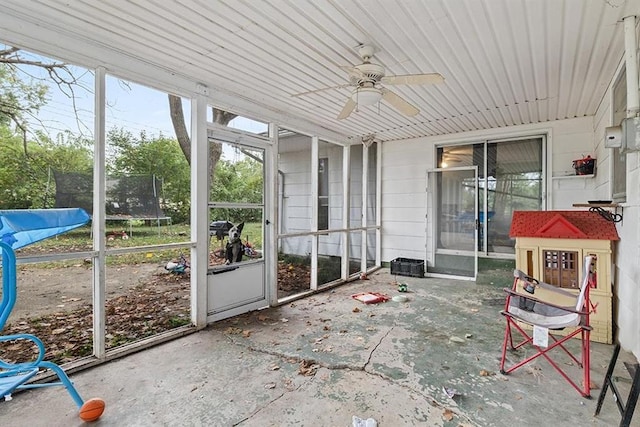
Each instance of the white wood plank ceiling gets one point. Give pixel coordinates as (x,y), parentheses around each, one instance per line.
(505,62)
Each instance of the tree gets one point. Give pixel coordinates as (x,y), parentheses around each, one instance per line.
(21,100)
(158,156)
(27,180)
(177,119)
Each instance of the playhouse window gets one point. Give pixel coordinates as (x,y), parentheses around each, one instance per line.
(561,268)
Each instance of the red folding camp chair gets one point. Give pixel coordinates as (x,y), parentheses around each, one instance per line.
(541,319)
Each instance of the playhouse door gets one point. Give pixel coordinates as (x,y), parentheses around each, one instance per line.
(452,222)
(236,276)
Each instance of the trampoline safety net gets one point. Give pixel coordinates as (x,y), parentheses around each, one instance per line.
(129,197)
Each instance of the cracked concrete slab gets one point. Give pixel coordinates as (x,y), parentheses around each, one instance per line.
(320,360)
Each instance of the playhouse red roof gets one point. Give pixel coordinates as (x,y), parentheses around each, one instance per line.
(562,225)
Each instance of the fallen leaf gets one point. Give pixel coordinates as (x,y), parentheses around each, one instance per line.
(246,334)
(447,415)
(307,368)
(485,373)
(356,310)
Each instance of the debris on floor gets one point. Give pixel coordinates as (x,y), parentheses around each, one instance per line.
(447,415)
(451,392)
(308,368)
(359,422)
(370,297)
(400,298)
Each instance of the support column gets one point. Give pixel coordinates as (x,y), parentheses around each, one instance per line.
(99,215)
(199,210)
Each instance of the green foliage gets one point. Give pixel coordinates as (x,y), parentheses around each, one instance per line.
(159,156)
(18,98)
(240,181)
(26,179)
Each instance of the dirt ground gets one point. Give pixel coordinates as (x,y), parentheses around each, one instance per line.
(46,290)
(142,300)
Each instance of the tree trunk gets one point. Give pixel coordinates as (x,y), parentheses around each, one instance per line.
(177,118)
(215,148)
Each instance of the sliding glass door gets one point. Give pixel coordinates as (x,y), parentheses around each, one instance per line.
(509,178)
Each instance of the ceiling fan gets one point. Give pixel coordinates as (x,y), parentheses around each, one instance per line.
(368,79)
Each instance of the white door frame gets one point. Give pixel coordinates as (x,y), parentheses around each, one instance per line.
(432,224)
(250,276)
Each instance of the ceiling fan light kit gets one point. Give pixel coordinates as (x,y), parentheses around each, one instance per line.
(366,95)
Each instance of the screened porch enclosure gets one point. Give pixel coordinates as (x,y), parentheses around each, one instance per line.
(327,211)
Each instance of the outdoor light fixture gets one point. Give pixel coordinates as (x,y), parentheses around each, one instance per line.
(366,95)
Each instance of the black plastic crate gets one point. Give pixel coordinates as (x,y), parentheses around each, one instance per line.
(407,267)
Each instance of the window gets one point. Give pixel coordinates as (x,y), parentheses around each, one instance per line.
(619,160)
(561,268)
(323,194)
(509,178)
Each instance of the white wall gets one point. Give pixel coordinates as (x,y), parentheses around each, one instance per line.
(626,270)
(404,166)
(296,203)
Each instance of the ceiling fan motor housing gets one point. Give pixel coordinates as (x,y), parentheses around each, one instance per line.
(368,73)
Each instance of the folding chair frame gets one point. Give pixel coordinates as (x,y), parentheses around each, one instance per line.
(558,342)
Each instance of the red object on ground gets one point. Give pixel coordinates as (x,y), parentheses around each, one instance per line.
(371,297)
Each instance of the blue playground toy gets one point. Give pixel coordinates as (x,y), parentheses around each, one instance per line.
(19,228)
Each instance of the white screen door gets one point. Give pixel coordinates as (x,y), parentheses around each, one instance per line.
(452,222)
(236,280)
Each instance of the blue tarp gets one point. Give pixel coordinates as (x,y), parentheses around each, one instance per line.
(22,227)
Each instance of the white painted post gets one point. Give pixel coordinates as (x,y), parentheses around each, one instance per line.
(99,215)
(314,211)
(199,210)
(346,208)
(271,230)
(378,203)
(365,197)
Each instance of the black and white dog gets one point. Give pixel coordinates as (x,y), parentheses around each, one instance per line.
(235,248)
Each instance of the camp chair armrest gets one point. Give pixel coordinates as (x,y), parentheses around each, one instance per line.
(22,365)
(537,300)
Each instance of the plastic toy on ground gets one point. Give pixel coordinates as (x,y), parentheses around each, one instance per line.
(19,228)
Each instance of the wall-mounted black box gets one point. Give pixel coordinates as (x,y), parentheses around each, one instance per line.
(407,267)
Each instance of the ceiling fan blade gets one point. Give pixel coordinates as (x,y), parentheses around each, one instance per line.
(413,79)
(309,92)
(400,104)
(347,109)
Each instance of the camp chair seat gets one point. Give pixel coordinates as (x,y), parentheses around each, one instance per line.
(543,314)
(524,311)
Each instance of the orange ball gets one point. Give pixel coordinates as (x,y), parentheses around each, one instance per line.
(92,409)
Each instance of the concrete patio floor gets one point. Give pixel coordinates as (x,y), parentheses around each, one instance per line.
(323,359)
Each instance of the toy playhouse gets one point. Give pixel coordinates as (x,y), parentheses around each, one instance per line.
(550,246)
